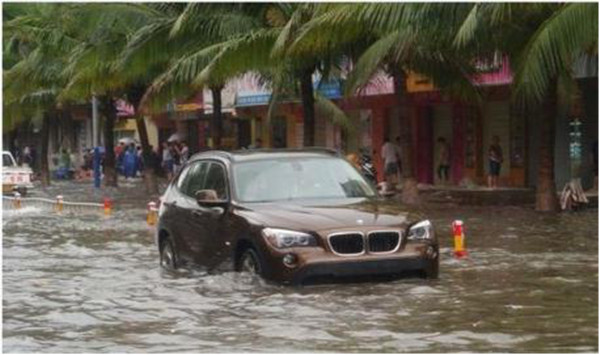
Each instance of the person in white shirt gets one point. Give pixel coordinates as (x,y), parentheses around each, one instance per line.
(389,153)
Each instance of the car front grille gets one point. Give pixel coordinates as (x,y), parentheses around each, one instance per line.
(383,241)
(347,243)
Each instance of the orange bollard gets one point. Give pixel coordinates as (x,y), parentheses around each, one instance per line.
(59,203)
(17,201)
(459,239)
(107,206)
(151,215)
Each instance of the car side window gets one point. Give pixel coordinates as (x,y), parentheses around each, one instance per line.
(216,179)
(184,176)
(194,179)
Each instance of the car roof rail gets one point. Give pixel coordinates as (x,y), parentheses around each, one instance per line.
(230,154)
(290,150)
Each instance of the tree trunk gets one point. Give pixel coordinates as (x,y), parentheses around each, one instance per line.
(110,114)
(149,161)
(44,169)
(410,191)
(546,198)
(216,123)
(135,95)
(308,106)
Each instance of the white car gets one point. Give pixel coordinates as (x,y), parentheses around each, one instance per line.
(14,177)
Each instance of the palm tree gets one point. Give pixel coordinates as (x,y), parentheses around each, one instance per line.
(258,47)
(39,35)
(400,38)
(543,41)
(104,64)
(192,31)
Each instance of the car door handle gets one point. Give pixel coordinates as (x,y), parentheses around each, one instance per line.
(198,213)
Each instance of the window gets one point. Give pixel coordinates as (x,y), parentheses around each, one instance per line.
(192,179)
(7,160)
(203,176)
(298,178)
(216,180)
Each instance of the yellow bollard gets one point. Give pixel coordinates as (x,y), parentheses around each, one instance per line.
(151,215)
(107,206)
(459,239)
(17,201)
(59,203)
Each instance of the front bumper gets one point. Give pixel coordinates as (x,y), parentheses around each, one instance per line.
(318,265)
(358,270)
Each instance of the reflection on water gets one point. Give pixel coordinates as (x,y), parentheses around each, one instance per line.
(86,283)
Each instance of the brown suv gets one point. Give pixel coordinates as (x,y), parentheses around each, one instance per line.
(292,216)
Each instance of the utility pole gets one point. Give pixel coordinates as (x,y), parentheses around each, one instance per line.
(94,121)
(96,161)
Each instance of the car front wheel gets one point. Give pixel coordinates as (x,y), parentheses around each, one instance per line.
(168,256)
(250,262)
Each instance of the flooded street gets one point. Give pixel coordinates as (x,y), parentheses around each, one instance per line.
(82,282)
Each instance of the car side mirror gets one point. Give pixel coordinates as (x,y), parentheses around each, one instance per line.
(209,198)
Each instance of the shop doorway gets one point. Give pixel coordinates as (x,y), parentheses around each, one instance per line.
(279,132)
(442,129)
(244,134)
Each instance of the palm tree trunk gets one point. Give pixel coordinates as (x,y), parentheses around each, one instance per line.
(135,94)
(110,115)
(546,199)
(44,169)
(216,123)
(149,161)
(410,191)
(308,106)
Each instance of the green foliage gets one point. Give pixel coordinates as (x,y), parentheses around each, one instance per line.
(56,53)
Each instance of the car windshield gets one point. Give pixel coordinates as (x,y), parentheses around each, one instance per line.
(298,178)
(6,160)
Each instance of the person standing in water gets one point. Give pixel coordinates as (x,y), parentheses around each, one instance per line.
(443,169)
(495,160)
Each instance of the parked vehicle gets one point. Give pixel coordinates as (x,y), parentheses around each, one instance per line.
(291,216)
(14,177)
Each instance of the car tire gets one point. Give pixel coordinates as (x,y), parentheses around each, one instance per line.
(432,271)
(168,255)
(251,262)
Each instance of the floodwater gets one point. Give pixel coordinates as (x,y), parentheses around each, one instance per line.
(82,282)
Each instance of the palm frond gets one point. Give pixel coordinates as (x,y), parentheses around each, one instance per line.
(553,47)
(331,111)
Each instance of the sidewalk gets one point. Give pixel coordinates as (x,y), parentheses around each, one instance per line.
(478,195)
(483,196)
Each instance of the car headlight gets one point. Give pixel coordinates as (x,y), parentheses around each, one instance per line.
(421,231)
(282,238)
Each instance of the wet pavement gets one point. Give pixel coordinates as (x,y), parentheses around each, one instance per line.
(82,282)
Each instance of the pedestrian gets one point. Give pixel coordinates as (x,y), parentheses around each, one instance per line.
(389,153)
(175,153)
(495,161)
(443,168)
(130,162)
(119,154)
(27,155)
(140,159)
(155,161)
(184,153)
(167,160)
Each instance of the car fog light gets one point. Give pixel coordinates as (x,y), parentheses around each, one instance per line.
(290,260)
